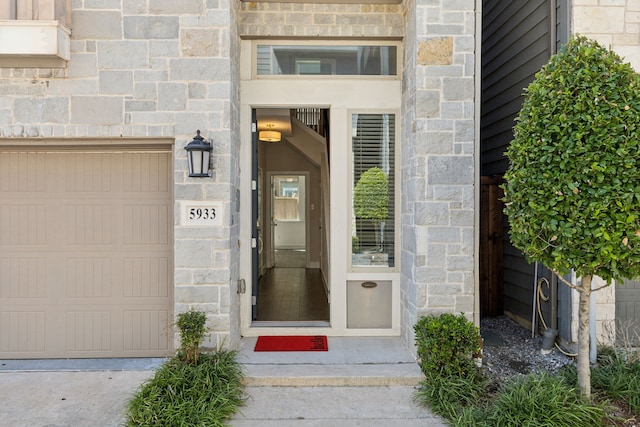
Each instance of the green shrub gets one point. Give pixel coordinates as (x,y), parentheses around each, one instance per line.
(191,325)
(371,195)
(448,396)
(206,393)
(446,345)
(355,244)
(536,401)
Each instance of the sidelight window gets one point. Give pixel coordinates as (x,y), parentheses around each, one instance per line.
(373,233)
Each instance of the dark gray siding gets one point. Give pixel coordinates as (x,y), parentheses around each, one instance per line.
(518,38)
(516,43)
(628,312)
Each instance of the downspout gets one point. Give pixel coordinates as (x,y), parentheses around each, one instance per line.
(593,348)
(554,302)
(550,335)
(476,161)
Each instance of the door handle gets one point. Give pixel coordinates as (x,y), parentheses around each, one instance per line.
(494,236)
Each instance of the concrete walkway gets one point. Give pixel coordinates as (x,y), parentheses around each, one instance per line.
(358,382)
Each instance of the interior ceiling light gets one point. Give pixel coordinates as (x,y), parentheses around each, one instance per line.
(270,135)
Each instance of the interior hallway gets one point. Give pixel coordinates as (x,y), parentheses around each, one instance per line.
(292,294)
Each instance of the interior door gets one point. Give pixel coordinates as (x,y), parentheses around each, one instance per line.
(288,219)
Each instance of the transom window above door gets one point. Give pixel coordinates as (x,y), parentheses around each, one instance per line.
(294,59)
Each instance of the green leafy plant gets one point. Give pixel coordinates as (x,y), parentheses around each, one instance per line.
(180,394)
(448,396)
(618,375)
(446,345)
(572,192)
(191,325)
(355,244)
(371,198)
(543,400)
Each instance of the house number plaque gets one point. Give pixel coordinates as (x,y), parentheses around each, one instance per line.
(202,213)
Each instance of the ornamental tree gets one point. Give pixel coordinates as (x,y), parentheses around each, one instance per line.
(572,192)
(371,198)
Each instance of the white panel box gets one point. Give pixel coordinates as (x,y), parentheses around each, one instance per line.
(369,304)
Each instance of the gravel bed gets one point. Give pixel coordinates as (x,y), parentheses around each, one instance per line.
(510,350)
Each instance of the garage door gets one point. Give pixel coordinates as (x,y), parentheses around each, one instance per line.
(85,252)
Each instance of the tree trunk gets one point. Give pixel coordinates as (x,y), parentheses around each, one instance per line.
(584,370)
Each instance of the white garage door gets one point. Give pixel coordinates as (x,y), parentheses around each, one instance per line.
(85,252)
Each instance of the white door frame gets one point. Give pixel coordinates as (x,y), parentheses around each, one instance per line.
(342,96)
(269,208)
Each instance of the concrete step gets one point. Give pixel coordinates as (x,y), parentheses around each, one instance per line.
(335,375)
(333,406)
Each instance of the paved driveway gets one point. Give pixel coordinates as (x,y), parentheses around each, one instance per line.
(56,399)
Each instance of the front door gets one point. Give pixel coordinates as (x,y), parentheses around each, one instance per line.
(291,106)
(256,216)
(288,284)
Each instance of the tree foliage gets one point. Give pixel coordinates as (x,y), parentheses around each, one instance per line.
(572,192)
(371,195)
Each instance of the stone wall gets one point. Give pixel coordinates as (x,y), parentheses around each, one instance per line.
(605,312)
(320,20)
(231,302)
(438,157)
(161,68)
(156,68)
(437,133)
(412,185)
(613,23)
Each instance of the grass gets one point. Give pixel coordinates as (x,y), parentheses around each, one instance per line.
(543,400)
(525,401)
(618,376)
(447,396)
(207,393)
(540,400)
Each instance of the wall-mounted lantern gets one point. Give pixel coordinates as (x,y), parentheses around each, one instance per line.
(198,153)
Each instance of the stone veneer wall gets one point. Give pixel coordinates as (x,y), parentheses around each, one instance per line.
(155,68)
(320,20)
(613,23)
(438,156)
(437,133)
(231,302)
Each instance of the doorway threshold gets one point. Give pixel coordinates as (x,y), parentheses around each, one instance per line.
(290,324)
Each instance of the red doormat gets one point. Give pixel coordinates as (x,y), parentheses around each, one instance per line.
(292,343)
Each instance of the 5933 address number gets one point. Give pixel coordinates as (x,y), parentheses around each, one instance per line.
(202,213)
(199,213)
